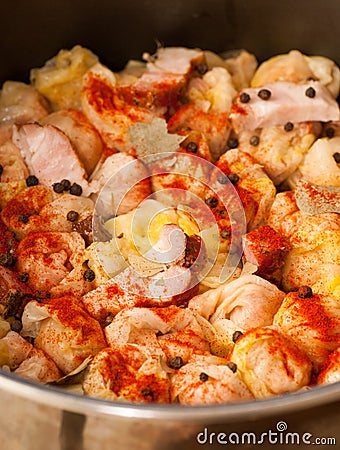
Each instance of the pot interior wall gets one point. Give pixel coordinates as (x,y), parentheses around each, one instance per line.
(31,32)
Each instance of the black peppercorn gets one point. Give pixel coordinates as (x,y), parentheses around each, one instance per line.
(225,234)
(89,275)
(32,180)
(336,157)
(204,377)
(23,277)
(234,178)
(254,141)
(212,202)
(7,260)
(288,126)
(109,319)
(76,189)
(147,392)
(264,94)
(176,363)
(310,92)
(72,216)
(222,179)
(184,100)
(244,97)
(232,366)
(192,147)
(66,184)
(43,295)
(202,68)
(16,325)
(330,132)
(305,292)
(23,218)
(58,188)
(237,335)
(232,143)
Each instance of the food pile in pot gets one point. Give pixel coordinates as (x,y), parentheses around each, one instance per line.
(170,232)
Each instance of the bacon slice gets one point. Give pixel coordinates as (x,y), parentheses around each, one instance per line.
(84,137)
(49,154)
(288,103)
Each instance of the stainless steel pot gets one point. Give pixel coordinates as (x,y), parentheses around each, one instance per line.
(39,417)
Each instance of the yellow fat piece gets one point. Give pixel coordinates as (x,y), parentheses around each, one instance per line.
(156,225)
(334,287)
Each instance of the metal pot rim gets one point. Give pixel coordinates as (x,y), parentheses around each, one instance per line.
(55,397)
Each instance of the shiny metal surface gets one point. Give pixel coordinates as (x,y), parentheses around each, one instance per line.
(65,400)
(38,417)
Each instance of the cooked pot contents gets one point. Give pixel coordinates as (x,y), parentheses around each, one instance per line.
(170,232)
